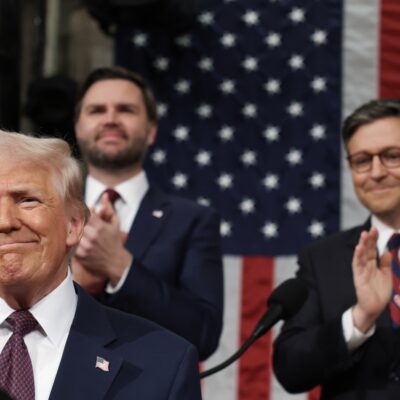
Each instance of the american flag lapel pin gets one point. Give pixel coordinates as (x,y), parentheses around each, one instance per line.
(102,364)
(158,213)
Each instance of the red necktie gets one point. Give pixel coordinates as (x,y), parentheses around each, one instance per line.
(16,374)
(394,248)
(113,195)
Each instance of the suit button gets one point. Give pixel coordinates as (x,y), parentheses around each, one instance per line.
(394,377)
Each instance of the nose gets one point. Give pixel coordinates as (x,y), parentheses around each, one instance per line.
(9,220)
(111,116)
(378,170)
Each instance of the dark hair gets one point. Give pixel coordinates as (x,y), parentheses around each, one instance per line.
(369,112)
(107,73)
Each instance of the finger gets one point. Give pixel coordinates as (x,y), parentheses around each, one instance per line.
(106,211)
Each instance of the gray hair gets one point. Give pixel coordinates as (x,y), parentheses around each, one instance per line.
(54,154)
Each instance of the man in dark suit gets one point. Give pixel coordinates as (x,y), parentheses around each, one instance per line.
(56,341)
(346,338)
(148,253)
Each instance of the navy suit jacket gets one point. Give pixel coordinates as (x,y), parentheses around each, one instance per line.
(145,361)
(311,348)
(176,278)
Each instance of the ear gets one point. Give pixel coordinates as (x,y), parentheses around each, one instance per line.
(75,226)
(152,133)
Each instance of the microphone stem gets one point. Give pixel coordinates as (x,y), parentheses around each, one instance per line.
(230,360)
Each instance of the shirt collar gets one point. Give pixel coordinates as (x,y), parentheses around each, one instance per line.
(385,232)
(131,191)
(54,313)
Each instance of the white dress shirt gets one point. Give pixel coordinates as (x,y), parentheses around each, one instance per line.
(54,313)
(132,192)
(354,337)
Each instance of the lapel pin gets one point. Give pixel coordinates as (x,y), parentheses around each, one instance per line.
(102,364)
(158,213)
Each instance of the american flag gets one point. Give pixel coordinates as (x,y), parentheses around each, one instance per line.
(251,101)
(102,364)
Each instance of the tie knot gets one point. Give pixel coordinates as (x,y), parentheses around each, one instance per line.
(22,322)
(394,241)
(113,195)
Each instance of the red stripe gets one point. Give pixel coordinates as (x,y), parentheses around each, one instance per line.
(390,49)
(255,365)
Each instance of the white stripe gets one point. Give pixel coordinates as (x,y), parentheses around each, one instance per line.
(224,384)
(360,84)
(285,268)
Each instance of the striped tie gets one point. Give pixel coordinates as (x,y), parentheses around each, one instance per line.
(394,248)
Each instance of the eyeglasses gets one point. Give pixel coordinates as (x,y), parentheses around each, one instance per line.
(362,162)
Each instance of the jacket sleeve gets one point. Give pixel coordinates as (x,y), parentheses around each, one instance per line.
(191,304)
(311,348)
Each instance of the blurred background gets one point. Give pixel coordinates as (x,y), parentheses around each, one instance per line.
(251,95)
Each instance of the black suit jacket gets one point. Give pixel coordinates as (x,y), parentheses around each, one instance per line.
(176,278)
(145,361)
(311,349)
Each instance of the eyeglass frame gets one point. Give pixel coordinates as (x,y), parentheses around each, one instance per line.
(371,156)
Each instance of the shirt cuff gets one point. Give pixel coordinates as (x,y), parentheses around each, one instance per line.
(353,337)
(110,289)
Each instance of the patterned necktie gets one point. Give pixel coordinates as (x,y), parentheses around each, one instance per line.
(16,374)
(394,248)
(113,195)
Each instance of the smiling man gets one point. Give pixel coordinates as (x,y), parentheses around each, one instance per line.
(150,253)
(56,342)
(346,338)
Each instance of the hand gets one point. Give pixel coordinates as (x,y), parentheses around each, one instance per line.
(101,250)
(373,282)
(92,283)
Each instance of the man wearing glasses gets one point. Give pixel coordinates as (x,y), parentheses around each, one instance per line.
(346,338)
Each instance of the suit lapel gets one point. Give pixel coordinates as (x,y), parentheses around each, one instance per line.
(77,376)
(150,218)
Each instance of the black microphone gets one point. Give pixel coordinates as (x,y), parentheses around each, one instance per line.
(284,302)
(4,396)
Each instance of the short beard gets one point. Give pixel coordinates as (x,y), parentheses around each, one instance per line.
(128,157)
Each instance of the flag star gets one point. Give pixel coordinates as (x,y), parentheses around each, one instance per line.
(318,84)
(226,133)
(273,39)
(271,181)
(227,86)
(250,63)
(228,40)
(182,86)
(249,110)
(203,158)
(140,39)
(161,63)
(270,230)
(225,180)
(204,201)
(295,109)
(293,205)
(247,206)
(272,86)
(179,180)
(271,133)
(159,156)
(248,158)
(319,37)
(250,18)
(297,15)
(316,229)
(181,133)
(225,228)
(296,61)
(294,157)
(162,109)
(204,110)
(317,180)
(184,41)
(206,64)
(318,132)
(206,18)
